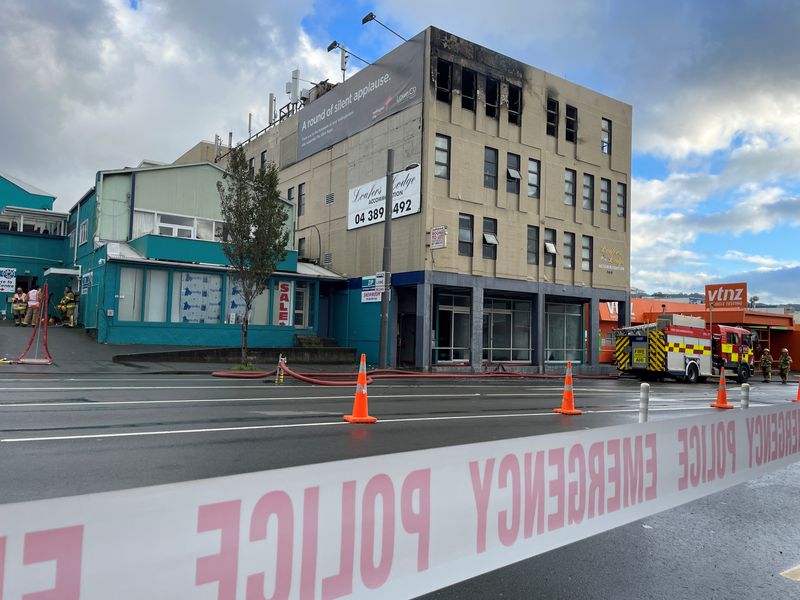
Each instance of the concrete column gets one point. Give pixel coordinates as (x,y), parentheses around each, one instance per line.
(594,332)
(540,335)
(476,353)
(424,325)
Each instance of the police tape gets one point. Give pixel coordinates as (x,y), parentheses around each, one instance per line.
(396,526)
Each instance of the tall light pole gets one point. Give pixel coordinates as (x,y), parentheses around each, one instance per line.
(387,262)
(371,17)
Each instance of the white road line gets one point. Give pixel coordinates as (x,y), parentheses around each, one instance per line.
(793,573)
(90,403)
(99,436)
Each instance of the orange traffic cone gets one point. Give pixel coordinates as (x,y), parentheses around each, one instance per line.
(798,393)
(567,397)
(722,393)
(360,410)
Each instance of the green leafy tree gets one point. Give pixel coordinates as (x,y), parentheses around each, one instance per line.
(255,233)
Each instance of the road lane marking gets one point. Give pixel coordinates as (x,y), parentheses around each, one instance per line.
(793,573)
(90,403)
(99,436)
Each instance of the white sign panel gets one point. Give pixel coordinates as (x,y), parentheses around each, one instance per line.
(86,282)
(390,526)
(366,203)
(8,280)
(438,237)
(370,296)
(283,302)
(380,281)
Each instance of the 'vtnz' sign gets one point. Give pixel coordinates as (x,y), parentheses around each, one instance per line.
(726,295)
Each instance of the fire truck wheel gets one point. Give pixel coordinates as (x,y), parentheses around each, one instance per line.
(743,374)
(692,374)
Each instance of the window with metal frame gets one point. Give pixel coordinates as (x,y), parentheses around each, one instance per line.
(550,250)
(469,85)
(490,168)
(569,187)
(605,195)
(444,80)
(587,253)
(571,124)
(464,235)
(251,168)
(263,159)
(492,98)
(301,247)
(605,136)
(552,117)
(490,238)
(512,173)
(534,167)
(533,245)
(569,251)
(588,191)
(622,200)
(301,199)
(441,167)
(83,232)
(514,104)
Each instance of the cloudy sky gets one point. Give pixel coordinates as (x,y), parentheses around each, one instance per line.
(97,84)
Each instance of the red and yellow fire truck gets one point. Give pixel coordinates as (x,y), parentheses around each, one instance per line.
(684,348)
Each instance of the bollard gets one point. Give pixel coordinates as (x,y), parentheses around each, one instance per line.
(644,401)
(745,395)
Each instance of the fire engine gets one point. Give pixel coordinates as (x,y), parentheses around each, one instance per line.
(683,347)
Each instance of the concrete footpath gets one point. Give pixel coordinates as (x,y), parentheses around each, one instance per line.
(75,353)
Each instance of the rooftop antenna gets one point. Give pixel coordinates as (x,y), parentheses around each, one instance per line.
(293,86)
(271,116)
(230,140)
(371,17)
(217,147)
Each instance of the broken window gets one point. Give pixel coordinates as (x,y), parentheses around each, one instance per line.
(552,117)
(514,104)
(469,81)
(444,80)
(571,124)
(492,98)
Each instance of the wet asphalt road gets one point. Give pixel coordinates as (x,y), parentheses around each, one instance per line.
(65,436)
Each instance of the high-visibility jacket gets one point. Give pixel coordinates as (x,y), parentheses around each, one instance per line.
(19,301)
(33,298)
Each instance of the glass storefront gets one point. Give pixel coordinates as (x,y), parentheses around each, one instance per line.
(452,328)
(565,332)
(506,330)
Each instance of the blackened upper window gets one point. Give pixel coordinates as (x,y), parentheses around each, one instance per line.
(605,136)
(469,83)
(441,167)
(512,174)
(552,116)
(571,124)
(514,104)
(444,80)
(490,168)
(492,98)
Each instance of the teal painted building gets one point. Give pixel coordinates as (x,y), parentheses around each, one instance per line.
(146,244)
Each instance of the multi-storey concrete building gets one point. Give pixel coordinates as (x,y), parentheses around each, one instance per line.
(529,174)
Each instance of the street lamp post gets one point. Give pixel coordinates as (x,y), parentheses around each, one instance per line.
(387,262)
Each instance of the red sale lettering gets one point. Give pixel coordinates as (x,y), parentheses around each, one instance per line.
(277,504)
(65,547)
(222,567)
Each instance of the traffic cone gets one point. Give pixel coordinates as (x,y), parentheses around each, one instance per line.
(798,393)
(722,393)
(360,409)
(567,397)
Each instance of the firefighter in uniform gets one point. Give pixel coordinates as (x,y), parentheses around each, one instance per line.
(19,304)
(67,307)
(785,363)
(766,365)
(32,316)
